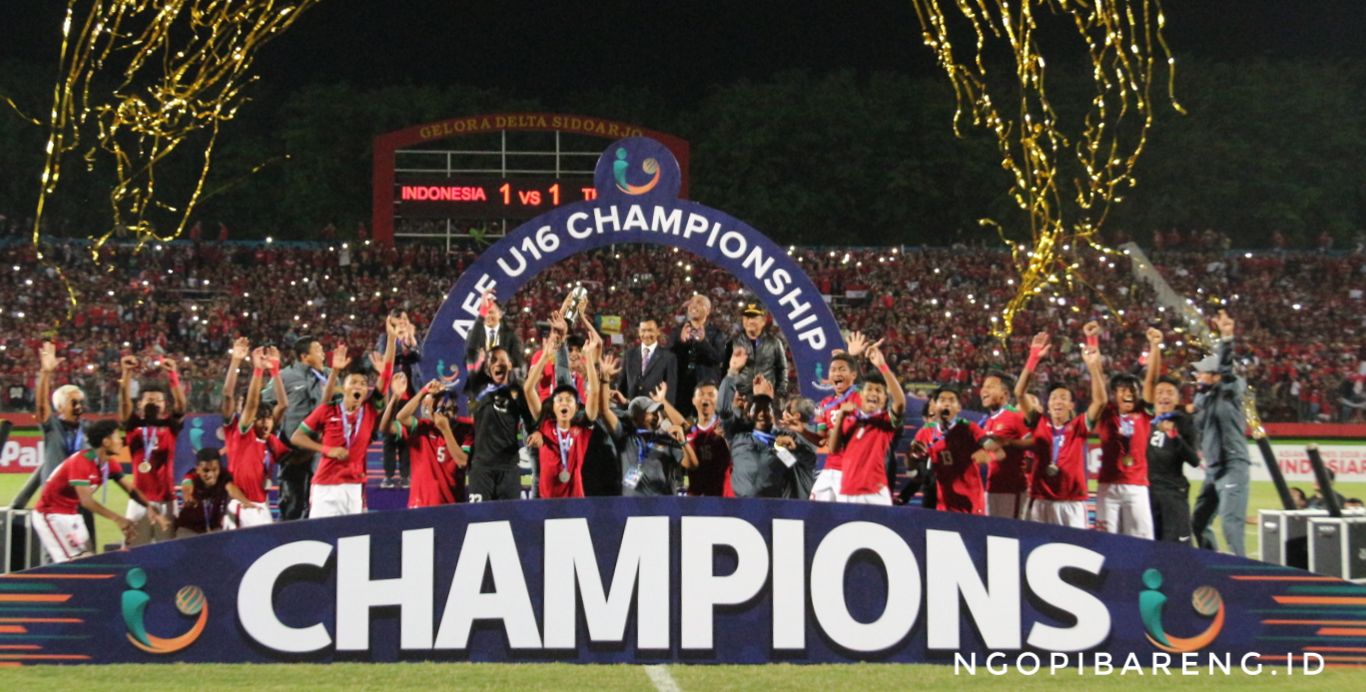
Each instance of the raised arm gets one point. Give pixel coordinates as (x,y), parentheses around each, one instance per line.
(1226,326)
(610,367)
(340,361)
(661,396)
(837,425)
(894,390)
(47,368)
(407,416)
(530,386)
(277,385)
(241,348)
(1038,348)
(177,387)
(592,352)
(1100,393)
(1154,364)
(127,365)
(391,400)
(443,425)
(253,400)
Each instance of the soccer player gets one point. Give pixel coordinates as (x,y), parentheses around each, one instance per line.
(766,459)
(1007,486)
(152,430)
(207,491)
(432,445)
(499,408)
(652,460)
(72,485)
(866,434)
(253,452)
(1124,427)
(562,437)
(844,373)
(1170,447)
(712,475)
(954,447)
(1057,486)
(344,430)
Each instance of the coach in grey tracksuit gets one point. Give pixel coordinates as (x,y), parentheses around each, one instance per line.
(1222,425)
(304,381)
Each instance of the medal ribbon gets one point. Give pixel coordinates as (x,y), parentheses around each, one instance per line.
(349,428)
(566,440)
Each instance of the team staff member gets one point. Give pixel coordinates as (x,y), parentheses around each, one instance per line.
(151,439)
(59,413)
(648,365)
(72,485)
(867,434)
(1221,424)
(252,450)
(1007,485)
(1057,487)
(492,333)
(764,352)
(305,382)
(699,349)
(652,460)
(767,460)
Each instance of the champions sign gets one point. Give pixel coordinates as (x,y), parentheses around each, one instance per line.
(637,182)
(670,579)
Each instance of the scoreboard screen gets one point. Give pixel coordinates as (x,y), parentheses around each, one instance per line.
(485,198)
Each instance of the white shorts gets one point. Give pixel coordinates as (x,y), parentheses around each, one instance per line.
(240,517)
(1007,505)
(146,531)
(1059,512)
(336,500)
(1124,509)
(827,485)
(884,497)
(64,536)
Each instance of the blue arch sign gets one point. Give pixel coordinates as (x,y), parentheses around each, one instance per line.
(637,182)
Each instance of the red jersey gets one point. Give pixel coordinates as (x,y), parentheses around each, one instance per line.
(350,431)
(1123,445)
(1064,447)
(251,460)
(562,452)
(835,460)
(958,479)
(432,473)
(152,450)
(866,442)
(1008,474)
(82,468)
(712,475)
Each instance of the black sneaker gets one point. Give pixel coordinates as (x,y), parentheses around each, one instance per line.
(387,483)
(405,482)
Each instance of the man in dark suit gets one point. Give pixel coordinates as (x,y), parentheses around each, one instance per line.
(699,348)
(647,365)
(492,332)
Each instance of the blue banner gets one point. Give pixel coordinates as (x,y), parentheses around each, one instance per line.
(637,182)
(702,580)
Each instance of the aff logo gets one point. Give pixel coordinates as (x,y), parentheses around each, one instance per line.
(189,600)
(1206,600)
(622,165)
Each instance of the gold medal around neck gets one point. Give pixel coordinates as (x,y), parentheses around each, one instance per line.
(1051,470)
(145,467)
(564,476)
(1127,460)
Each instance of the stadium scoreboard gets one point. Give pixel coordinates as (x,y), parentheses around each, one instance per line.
(487,198)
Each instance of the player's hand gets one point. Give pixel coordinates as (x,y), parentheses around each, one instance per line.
(128,364)
(677,433)
(258,359)
(535,440)
(791,421)
(619,399)
(441,422)
(272,357)
(170,365)
(738,358)
(47,357)
(981,456)
(1091,358)
(1225,324)
(762,386)
(919,449)
(786,441)
(241,347)
(875,356)
(162,521)
(592,346)
(432,388)
(337,453)
(124,525)
(393,327)
(557,324)
(661,393)
(398,385)
(611,366)
(856,344)
(1041,344)
(1154,337)
(339,358)
(847,408)
(1091,328)
(376,361)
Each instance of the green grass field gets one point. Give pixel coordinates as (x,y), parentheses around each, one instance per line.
(553,676)
(1263,497)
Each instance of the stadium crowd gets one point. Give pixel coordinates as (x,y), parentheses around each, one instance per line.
(1305,355)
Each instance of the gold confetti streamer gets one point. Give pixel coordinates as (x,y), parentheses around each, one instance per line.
(1124,42)
(177,69)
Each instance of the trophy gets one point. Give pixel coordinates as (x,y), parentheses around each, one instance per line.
(574,304)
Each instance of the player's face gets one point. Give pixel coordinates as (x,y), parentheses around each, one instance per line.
(704,400)
(354,389)
(114,444)
(565,406)
(263,426)
(993,392)
(1126,398)
(840,375)
(207,472)
(874,397)
(575,359)
(152,404)
(648,332)
(1166,397)
(753,324)
(1060,404)
(500,364)
(493,316)
(946,401)
(74,406)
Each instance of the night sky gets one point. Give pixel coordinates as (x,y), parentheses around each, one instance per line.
(547,49)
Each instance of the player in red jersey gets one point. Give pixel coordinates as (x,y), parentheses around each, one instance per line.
(1122,503)
(152,429)
(844,373)
(954,447)
(1057,487)
(712,475)
(251,449)
(562,436)
(208,490)
(436,454)
(1007,485)
(72,485)
(345,430)
(864,435)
